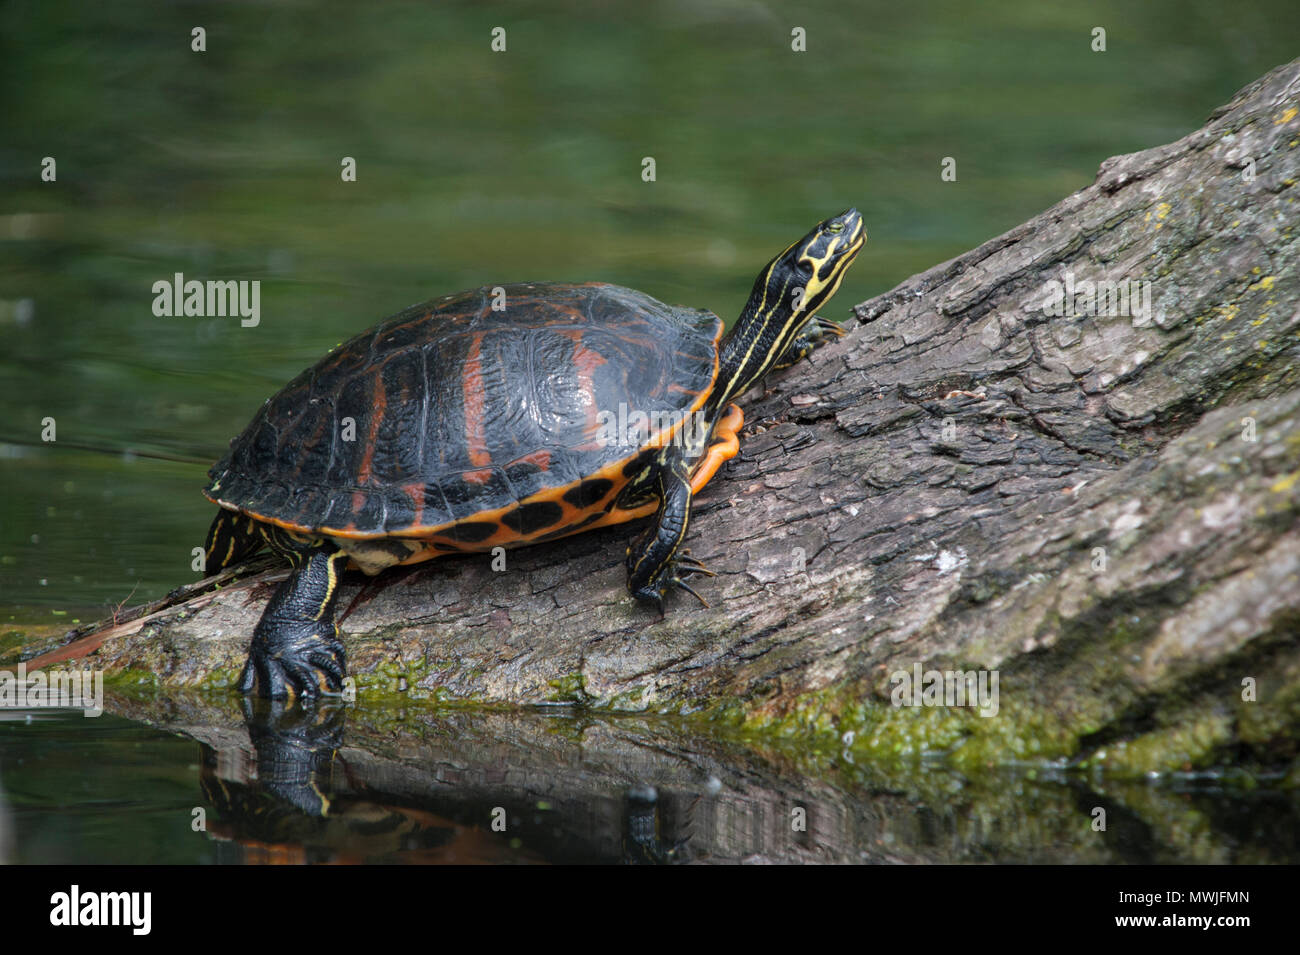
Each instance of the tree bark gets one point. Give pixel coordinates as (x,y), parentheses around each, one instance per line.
(1099,507)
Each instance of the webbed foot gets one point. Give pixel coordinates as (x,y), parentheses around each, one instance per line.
(288,662)
(672,575)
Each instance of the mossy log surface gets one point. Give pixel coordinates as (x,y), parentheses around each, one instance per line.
(1101,508)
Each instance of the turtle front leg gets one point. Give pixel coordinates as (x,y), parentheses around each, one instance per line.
(819,331)
(296,646)
(654,566)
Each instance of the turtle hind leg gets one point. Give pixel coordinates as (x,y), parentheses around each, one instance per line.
(296,647)
(654,566)
(232,538)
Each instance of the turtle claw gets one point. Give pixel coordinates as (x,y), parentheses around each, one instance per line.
(683,565)
(829,327)
(269,682)
(307,668)
(692,565)
(691,590)
(818,332)
(332,666)
(674,574)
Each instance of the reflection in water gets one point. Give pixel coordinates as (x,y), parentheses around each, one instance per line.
(295,801)
(353,784)
(337,784)
(655,832)
(6,831)
(288,805)
(348,784)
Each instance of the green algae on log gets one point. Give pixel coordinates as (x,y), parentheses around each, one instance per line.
(1100,507)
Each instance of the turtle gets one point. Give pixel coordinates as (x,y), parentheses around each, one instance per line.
(499,417)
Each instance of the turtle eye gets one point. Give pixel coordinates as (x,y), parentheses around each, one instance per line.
(836,228)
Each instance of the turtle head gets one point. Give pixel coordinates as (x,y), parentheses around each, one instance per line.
(808,273)
(786,294)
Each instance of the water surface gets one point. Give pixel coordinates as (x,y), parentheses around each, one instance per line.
(415,786)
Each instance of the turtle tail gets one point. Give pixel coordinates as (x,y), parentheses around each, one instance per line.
(233,537)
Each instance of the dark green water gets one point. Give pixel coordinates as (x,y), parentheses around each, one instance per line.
(473,168)
(422,787)
(62,801)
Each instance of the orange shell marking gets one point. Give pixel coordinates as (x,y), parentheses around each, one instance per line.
(475,408)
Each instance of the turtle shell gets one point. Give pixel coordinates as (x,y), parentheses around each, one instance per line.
(455,422)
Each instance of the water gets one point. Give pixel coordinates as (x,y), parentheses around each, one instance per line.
(419,787)
(478,168)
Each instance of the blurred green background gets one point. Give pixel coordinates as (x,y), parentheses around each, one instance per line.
(478,168)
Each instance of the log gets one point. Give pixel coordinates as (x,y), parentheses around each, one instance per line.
(1094,502)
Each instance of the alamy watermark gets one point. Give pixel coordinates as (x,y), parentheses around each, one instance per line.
(917,687)
(1070,298)
(632,428)
(62,689)
(76,907)
(211,299)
